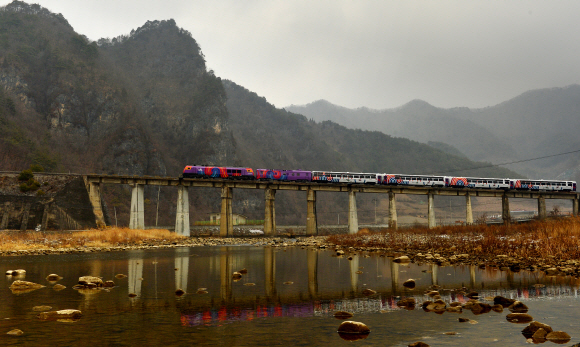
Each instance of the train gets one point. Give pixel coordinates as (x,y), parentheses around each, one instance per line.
(330,177)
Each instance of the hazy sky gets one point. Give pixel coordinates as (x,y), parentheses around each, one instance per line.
(378,54)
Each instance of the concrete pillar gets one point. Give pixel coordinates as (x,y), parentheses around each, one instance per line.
(182,215)
(181,268)
(226,217)
(95,198)
(225,275)
(25,216)
(392,211)
(574,207)
(269,213)
(270,271)
(5,216)
(431,211)
(541,207)
(505,210)
(311,218)
(468,210)
(352,213)
(45,215)
(137,218)
(312,260)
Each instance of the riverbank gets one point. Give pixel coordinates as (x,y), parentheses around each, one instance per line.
(552,246)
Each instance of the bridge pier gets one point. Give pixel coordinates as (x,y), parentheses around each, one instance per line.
(468,210)
(505,209)
(392,211)
(352,213)
(95,198)
(226,216)
(182,215)
(575,206)
(431,211)
(137,218)
(541,207)
(311,218)
(270,213)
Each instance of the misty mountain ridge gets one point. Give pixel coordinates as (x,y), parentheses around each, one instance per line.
(536,123)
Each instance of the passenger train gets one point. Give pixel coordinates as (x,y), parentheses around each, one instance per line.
(243,173)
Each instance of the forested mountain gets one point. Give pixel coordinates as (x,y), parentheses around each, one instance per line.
(145,104)
(535,124)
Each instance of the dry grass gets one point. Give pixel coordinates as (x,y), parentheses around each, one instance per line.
(93,238)
(553,238)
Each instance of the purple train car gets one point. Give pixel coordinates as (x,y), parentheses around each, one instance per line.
(283,175)
(198,171)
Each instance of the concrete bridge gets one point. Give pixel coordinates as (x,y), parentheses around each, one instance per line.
(227,186)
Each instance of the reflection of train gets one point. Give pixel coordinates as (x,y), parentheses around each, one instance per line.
(202,171)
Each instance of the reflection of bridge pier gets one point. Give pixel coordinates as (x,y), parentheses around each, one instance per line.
(354,265)
(312,260)
(434,273)
(394,276)
(182,268)
(270,271)
(472,276)
(225,274)
(135,273)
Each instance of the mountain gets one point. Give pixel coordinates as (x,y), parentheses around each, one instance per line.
(145,104)
(535,124)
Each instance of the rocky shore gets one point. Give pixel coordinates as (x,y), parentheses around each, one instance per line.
(443,257)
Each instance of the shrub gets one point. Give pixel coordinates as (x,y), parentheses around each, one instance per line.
(25,175)
(36,168)
(40,192)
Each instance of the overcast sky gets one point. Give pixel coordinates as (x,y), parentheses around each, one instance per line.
(378,54)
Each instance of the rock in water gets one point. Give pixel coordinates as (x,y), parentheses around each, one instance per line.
(558,337)
(368,292)
(21,287)
(402,259)
(61,314)
(418,344)
(519,318)
(535,326)
(352,327)
(410,283)
(15,332)
(90,281)
(342,314)
(53,277)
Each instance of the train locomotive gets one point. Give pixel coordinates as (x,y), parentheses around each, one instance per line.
(329,177)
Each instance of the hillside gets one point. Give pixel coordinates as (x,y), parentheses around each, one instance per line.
(145,103)
(535,124)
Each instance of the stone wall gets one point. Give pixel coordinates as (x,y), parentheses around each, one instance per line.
(64,204)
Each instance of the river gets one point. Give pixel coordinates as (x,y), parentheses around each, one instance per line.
(287,298)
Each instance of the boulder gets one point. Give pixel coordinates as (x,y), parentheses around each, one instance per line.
(236,275)
(454,309)
(540,334)
(90,281)
(410,283)
(53,277)
(352,327)
(342,314)
(518,306)
(519,318)
(58,287)
(368,292)
(407,302)
(21,287)
(109,284)
(535,326)
(61,314)
(497,308)
(558,337)
(505,302)
(437,305)
(402,259)
(480,308)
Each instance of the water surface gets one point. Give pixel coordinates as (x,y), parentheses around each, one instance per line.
(287,298)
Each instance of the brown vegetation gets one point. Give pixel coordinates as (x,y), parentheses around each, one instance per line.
(552,238)
(91,238)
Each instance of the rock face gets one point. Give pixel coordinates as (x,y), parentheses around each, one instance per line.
(352,327)
(61,314)
(21,287)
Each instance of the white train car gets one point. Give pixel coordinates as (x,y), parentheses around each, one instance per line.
(544,185)
(411,180)
(477,182)
(344,177)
